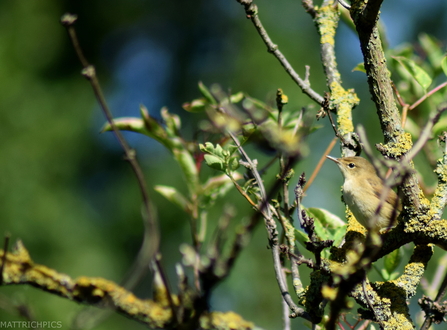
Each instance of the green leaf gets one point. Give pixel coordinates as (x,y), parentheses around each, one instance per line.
(127,124)
(385,275)
(218,151)
(360,67)
(405,50)
(236,98)
(233,163)
(174,143)
(301,237)
(206,93)
(339,235)
(215,162)
(154,128)
(416,71)
(218,157)
(197,105)
(171,194)
(173,123)
(444,65)
(392,261)
(188,165)
(326,218)
(217,182)
(440,126)
(215,187)
(231,148)
(321,232)
(432,48)
(209,147)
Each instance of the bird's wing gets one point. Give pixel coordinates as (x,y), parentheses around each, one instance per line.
(391,199)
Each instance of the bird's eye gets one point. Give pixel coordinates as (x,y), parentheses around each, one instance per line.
(351,165)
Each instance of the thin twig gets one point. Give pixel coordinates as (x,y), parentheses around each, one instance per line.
(402,103)
(320,164)
(252,167)
(287,221)
(271,229)
(285,313)
(441,293)
(243,193)
(369,302)
(406,107)
(309,7)
(427,95)
(300,259)
(150,242)
(252,13)
(376,162)
(158,269)
(339,100)
(282,166)
(426,132)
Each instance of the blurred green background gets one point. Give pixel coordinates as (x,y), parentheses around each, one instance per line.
(65,190)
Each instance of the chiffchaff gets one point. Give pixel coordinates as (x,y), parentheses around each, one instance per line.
(362,191)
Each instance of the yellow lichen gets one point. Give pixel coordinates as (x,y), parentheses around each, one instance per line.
(327,20)
(328,293)
(402,145)
(224,321)
(344,101)
(441,171)
(353,224)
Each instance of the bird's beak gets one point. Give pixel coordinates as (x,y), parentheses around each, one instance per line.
(333,159)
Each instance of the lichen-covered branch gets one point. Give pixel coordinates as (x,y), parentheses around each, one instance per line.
(18,268)
(389,299)
(439,199)
(379,77)
(341,100)
(420,222)
(397,142)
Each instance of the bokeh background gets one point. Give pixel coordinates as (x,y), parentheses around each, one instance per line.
(64,188)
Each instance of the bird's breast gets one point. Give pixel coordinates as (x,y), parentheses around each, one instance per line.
(359,200)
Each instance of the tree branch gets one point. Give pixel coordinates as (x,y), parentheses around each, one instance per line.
(151,237)
(397,142)
(20,269)
(252,13)
(341,101)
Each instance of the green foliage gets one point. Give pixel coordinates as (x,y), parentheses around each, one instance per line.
(444,65)
(208,101)
(416,72)
(416,67)
(174,196)
(168,135)
(220,159)
(433,50)
(391,262)
(328,226)
(360,67)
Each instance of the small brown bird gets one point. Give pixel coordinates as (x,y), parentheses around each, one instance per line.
(362,190)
